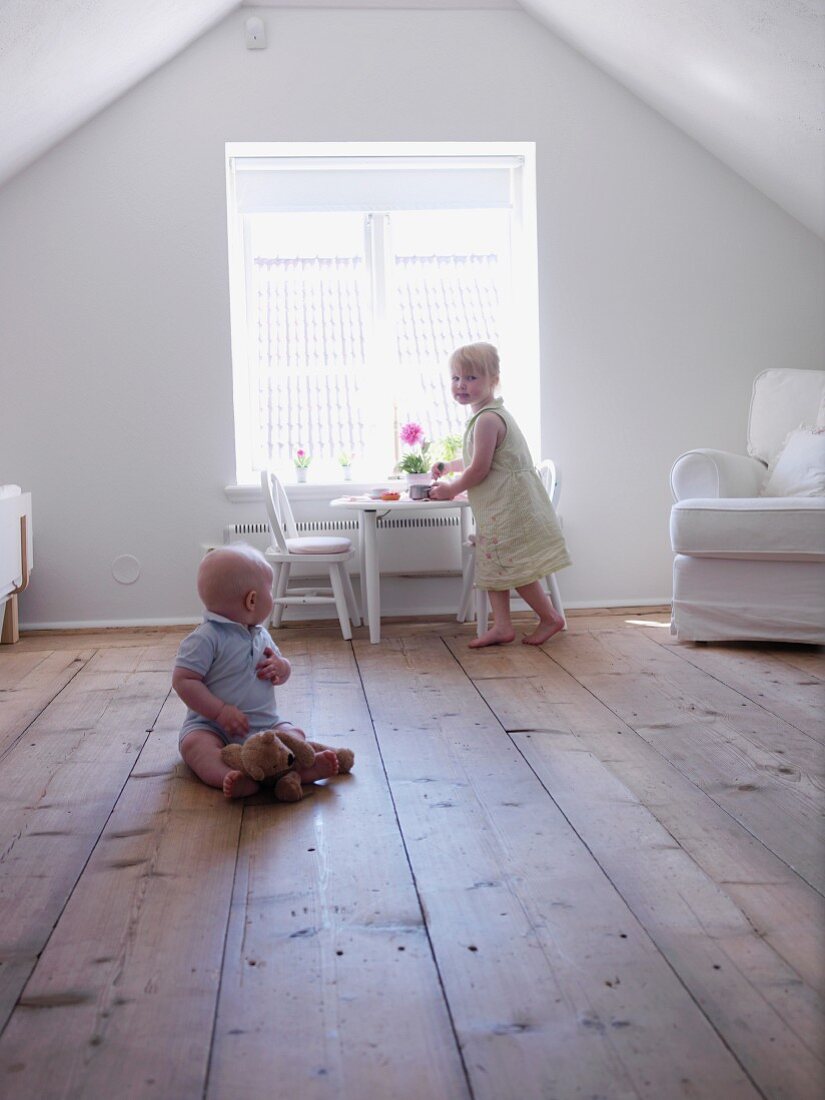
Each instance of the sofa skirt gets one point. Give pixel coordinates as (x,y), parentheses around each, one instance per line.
(724,599)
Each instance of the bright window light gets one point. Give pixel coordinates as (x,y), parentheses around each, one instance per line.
(343,319)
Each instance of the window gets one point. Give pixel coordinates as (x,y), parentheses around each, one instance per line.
(355,271)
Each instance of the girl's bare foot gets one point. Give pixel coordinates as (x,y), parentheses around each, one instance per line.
(544,631)
(495,636)
(324,766)
(238,785)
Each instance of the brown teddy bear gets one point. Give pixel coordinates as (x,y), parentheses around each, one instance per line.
(272,758)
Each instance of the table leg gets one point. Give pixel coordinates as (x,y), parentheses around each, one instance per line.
(373,588)
(362,563)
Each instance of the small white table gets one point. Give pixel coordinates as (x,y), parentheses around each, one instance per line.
(368,512)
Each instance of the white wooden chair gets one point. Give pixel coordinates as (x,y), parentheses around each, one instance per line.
(331,553)
(552,483)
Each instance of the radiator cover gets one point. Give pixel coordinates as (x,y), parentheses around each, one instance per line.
(407,545)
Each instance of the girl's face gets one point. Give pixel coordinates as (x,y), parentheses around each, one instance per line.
(469,388)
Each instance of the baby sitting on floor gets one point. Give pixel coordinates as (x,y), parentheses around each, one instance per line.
(227,668)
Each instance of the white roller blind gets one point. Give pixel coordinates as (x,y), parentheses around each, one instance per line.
(271,185)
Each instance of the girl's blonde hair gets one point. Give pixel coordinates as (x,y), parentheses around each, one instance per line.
(479,358)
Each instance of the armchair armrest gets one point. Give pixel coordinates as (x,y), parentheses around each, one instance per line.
(706,473)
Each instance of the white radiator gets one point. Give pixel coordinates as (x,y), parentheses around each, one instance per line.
(407,546)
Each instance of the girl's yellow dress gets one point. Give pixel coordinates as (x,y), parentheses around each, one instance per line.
(518,537)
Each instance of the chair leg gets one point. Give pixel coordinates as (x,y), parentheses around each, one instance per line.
(466,586)
(352,603)
(555,596)
(482,611)
(339,591)
(279,589)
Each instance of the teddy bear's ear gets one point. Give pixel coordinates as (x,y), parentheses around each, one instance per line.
(232,755)
(250,755)
(268,737)
(255,771)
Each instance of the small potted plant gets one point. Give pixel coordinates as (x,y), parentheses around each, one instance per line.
(302,460)
(450,447)
(416,462)
(345,462)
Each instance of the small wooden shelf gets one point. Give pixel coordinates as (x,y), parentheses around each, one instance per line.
(15,560)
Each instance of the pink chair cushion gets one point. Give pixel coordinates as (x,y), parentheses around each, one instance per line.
(321,545)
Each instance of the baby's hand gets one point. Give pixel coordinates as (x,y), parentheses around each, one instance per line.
(232,720)
(274,668)
(442,490)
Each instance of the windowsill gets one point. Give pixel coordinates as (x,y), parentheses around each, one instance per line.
(240,494)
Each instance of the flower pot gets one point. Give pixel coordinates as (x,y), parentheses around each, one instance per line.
(418,479)
(300,474)
(347,472)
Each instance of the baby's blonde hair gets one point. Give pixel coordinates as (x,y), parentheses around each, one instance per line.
(481,358)
(227,573)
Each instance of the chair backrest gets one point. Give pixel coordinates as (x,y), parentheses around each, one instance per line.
(278,511)
(783,399)
(550,479)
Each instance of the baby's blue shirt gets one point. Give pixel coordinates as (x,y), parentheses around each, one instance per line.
(226,654)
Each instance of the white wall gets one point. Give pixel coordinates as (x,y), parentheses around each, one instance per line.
(667,283)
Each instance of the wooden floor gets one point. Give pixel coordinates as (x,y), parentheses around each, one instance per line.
(589,871)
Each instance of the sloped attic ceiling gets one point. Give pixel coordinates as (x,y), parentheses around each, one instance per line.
(62,61)
(745,78)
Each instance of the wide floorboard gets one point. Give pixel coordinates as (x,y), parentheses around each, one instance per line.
(588,870)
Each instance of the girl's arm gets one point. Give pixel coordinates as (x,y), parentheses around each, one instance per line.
(441,468)
(489,431)
(193,691)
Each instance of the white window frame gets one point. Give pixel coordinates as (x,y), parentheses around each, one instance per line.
(521,363)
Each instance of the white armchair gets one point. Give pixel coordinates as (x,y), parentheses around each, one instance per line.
(751,566)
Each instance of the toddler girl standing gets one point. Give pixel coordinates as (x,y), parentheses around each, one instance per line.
(518,538)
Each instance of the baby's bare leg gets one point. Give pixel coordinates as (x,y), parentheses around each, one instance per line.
(201,751)
(325,765)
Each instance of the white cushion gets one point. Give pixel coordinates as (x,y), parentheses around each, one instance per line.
(799,468)
(781,401)
(775,528)
(323,544)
